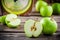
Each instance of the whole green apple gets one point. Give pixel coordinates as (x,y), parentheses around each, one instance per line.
(56,8)
(49,25)
(32,28)
(46,11)
(40,4)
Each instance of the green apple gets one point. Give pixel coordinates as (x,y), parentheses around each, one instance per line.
(46,11)
(32,28)
(12,21)
(2,19)
(40,0)
(40,4)
(49,25)
(16,6)
(56,8)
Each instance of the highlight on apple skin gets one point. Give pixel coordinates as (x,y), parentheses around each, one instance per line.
(46,11)
(40,4)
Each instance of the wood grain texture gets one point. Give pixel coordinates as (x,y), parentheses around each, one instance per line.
(20,29)
(21,36)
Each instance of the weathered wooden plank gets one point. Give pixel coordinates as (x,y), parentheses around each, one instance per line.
(21,36)
(38,18)
(4,28)
(17,30)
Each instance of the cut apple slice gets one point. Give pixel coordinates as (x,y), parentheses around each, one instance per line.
(16,6)
(12,20)
(38,29)
(27,27)
(32,28)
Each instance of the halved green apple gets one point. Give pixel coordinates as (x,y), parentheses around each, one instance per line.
(16,6)
(12,21)
(32,28)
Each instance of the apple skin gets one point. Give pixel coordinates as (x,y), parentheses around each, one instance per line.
(46,11)
(13,25)
(2,19)
(40,4)
(49,25)
(56,8)
(32,32)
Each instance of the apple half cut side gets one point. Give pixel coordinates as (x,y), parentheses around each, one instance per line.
(19,11)
(12,21)
(32,28)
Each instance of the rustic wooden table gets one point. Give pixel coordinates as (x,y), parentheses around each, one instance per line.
(18,34)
